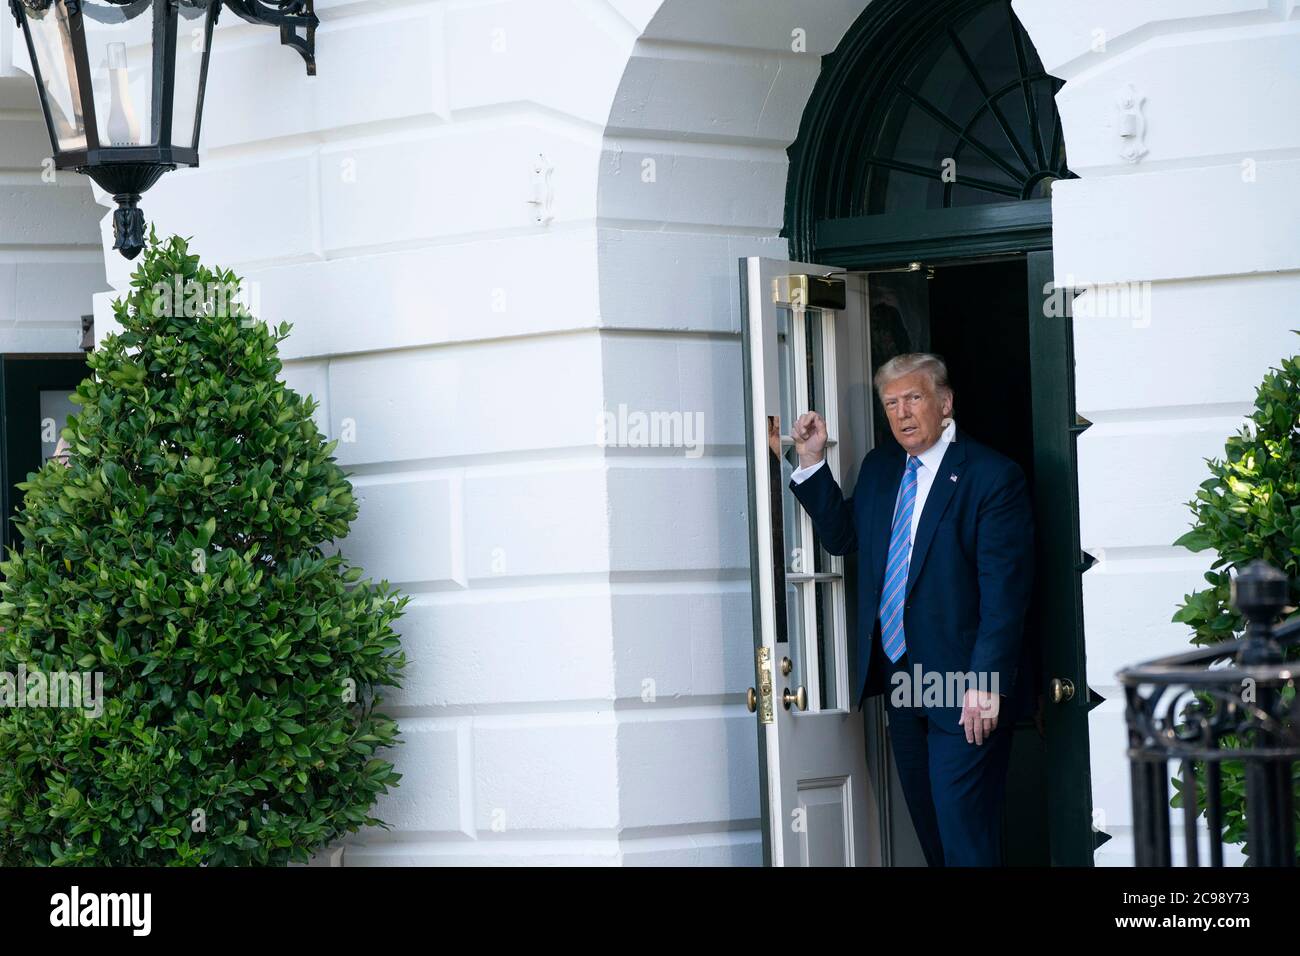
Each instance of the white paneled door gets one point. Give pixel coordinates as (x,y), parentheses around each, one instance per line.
(806,348)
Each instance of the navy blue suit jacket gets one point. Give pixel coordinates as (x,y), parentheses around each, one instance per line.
(971,572)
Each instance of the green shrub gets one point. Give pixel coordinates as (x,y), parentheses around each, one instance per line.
(186,553)
(1249,508)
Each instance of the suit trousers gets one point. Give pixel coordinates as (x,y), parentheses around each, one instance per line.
(955,790)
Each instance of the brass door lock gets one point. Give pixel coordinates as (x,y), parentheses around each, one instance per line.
(759,700)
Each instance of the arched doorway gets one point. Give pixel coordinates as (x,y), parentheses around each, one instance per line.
(921,180)
(932,130)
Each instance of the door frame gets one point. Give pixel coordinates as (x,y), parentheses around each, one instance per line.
(996,231)
(851,128)
(23,376)
(951,236)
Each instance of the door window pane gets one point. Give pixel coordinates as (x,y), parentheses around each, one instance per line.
(815,362)
(794,604)
(826,642)
(56,406)
(809,576)
(795,561)
(786,360)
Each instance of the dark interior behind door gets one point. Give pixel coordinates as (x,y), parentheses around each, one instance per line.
(25,378)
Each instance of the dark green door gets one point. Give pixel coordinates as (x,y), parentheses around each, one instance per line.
(1061,564)
(33,410)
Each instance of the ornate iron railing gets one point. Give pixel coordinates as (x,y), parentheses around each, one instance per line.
(1231,704)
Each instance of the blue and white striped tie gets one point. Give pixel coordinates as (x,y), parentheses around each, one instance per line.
(895,590)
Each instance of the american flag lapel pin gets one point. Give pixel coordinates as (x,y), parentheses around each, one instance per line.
(953,476)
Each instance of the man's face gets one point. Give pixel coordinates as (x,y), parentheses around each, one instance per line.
(915,411)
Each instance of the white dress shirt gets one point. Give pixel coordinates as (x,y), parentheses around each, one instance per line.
(925,472)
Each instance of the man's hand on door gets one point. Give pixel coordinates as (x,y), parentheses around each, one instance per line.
(809,434)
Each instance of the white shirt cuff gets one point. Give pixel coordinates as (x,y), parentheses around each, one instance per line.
(799,474)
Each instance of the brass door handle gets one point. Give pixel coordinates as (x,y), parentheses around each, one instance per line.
(799,698)
(786,666)
(751,700)
(1062,689)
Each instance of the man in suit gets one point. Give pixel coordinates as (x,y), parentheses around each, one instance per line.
(944,529)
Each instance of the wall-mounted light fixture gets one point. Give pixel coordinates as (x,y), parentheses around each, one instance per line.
(121,85)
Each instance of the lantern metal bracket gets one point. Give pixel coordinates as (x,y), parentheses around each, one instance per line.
(290,16)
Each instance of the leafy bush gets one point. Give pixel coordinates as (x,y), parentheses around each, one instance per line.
(1249,508)
(185,553)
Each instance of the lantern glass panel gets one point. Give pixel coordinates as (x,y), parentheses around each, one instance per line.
(193,36)
(119,49)
(51,46)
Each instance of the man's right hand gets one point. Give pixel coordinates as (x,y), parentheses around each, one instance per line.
(809,434)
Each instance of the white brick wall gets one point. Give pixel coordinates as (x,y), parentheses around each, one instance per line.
(693,177)
(580,633)
(51,262)
(382,208)
(1221,252)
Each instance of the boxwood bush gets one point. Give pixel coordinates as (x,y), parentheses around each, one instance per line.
(186,552)
(1248,508)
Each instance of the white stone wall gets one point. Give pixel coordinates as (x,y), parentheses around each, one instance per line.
(580,635)
(581,611)
(1210,218)
(383,208)
(692,178)
(51,262)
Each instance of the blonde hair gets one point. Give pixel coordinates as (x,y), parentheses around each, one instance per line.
(910,362)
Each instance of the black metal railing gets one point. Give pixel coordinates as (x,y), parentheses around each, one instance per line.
(1232,705)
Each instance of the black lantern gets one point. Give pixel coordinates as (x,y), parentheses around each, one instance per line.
(121,84)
